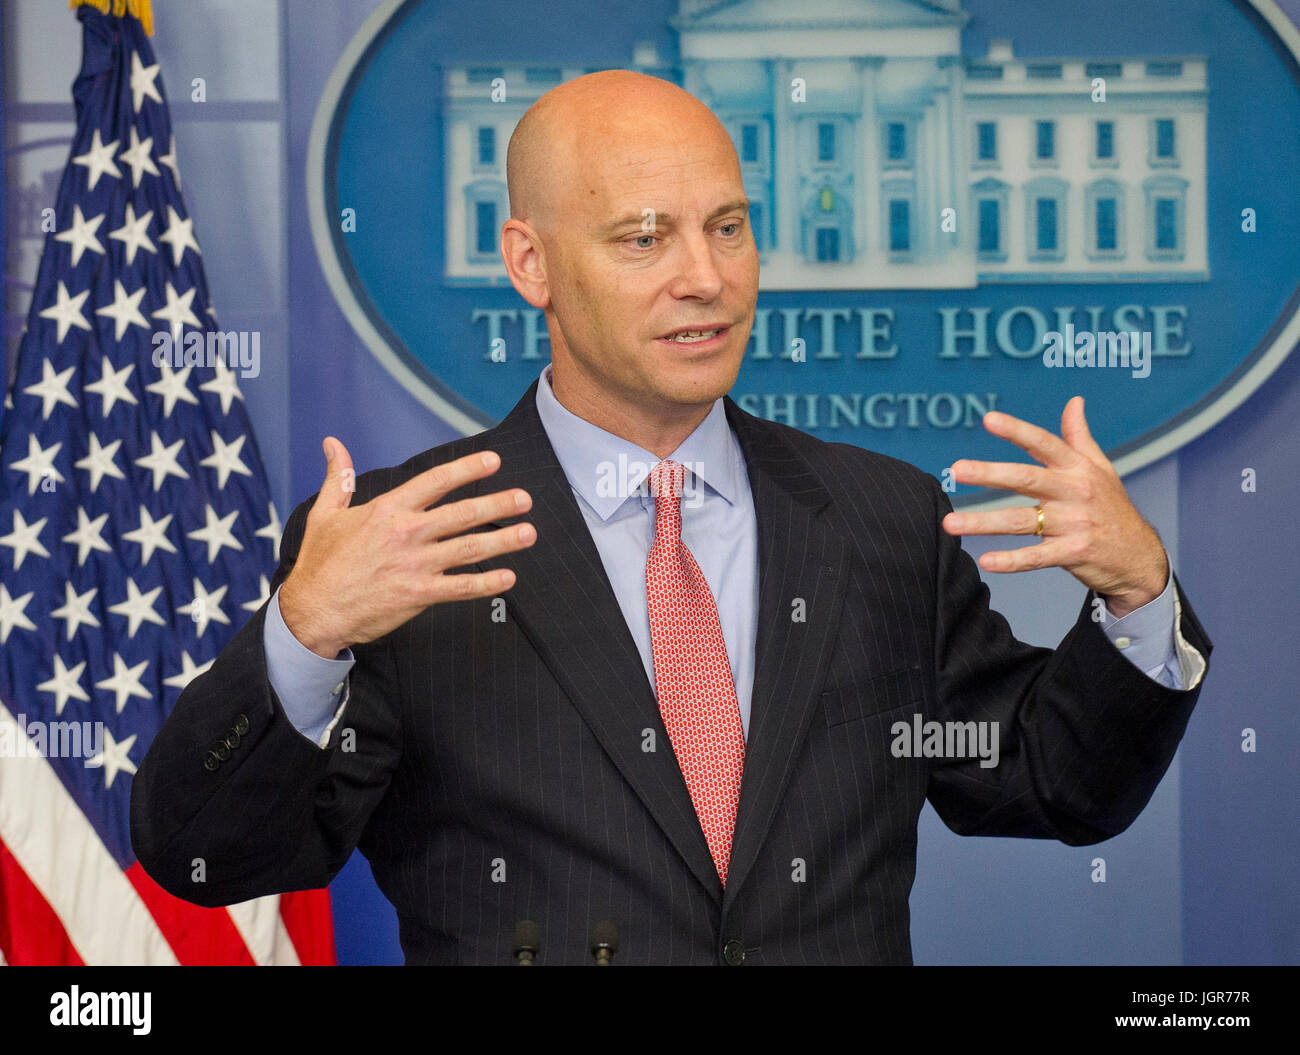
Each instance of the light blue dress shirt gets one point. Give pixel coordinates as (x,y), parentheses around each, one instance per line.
(607,474)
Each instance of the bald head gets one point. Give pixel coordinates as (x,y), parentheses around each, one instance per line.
(629,227)
(572,129)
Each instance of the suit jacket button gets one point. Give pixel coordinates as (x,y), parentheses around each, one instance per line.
(221,750)
(734,953)
(241,725)
(211,761)
(231,739)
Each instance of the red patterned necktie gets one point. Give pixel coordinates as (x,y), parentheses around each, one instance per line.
(697,696)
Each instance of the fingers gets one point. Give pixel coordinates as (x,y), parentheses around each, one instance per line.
(1041,555)
(480,545)
(1074,428)
(468,586)
(428,487)
(1042,445)
(340,477)
(1020,520)
(1020,477)
(456,518)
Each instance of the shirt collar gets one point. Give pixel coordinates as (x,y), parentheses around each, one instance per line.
(592,457)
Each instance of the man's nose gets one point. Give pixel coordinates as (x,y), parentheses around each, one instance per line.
(698,275)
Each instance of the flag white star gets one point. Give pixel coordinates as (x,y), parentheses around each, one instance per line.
(81,235)
(216,532)
(169,159)
(88,536)
(138,157)
(98,160)
(206,607)
(125,681)
(177,312)
(52,388)
(39,463)
(66,311)
(173,386)
(76,609)
(11,613)
(113,758)
(65,684)
(161,461)
(111,385)
(124,311)
(223,383)
(271,529)
(225,458)
(189,671)
(137,608)
(180,234)
(151,535)
(25,539)
(134,233)
(142,81)
(99,462)
(264,593)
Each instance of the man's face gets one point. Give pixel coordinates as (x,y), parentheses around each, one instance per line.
(652,269)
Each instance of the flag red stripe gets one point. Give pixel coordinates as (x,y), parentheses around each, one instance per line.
(197,935)
(31,933)
(307,918)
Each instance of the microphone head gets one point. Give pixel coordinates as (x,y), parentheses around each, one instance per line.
(528,936)
(604,936)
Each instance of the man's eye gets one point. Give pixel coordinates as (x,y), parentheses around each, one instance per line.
(728,229)
(645,241)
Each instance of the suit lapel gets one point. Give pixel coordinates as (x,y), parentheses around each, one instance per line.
(800,560)
(564,604)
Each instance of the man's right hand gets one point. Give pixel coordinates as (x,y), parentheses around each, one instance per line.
(365,571)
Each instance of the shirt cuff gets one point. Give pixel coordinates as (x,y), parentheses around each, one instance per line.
(1190,661)
(312,690)
(1151,638)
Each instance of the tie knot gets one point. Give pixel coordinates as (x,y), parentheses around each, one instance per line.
(667,479)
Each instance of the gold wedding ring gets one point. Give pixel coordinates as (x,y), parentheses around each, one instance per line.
(1039,531)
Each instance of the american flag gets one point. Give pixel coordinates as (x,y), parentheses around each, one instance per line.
(136,535)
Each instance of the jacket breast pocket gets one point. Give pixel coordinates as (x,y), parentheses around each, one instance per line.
(883,692)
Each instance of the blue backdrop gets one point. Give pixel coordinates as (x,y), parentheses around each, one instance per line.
(1204,876)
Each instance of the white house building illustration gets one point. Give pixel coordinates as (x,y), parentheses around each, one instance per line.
(877,156)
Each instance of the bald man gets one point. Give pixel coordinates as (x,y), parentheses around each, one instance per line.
(641,669)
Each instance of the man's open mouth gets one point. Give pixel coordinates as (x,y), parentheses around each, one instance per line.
(694,336)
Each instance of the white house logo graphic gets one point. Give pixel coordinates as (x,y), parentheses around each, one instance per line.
(944,194)
(876,156)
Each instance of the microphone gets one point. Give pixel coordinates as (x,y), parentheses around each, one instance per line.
(528,942)
(604,943)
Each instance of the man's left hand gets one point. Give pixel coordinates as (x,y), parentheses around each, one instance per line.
(1090,527)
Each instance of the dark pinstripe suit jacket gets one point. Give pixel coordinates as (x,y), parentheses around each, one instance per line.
(500,771)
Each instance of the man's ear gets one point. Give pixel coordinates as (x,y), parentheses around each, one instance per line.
(522,250)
